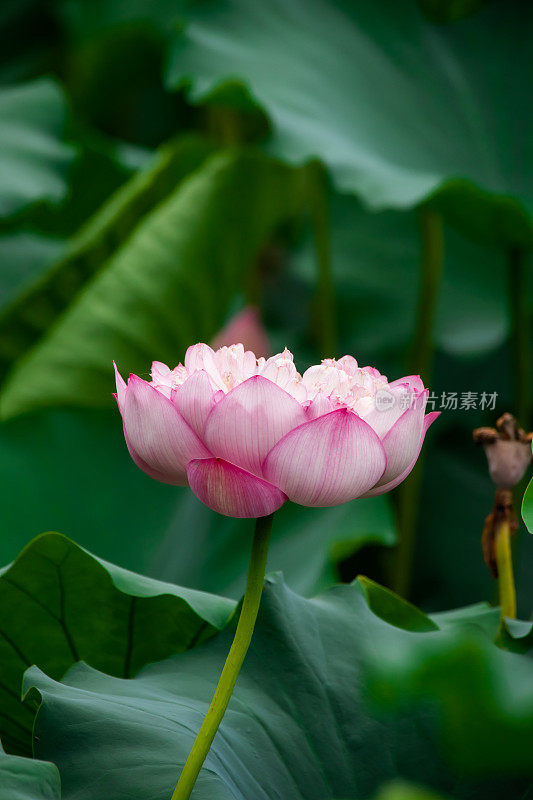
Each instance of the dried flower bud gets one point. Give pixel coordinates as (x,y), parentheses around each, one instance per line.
(508,450)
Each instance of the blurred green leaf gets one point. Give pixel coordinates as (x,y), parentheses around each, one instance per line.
(484,697)
(87,17)
(28,39)
(400,110)
(59,604)
(399,790)
(33,158)
(26,779)
(29,315)
(23,256)
(450,10)
(170,284)
(102,166)
(123,46)
(299,723)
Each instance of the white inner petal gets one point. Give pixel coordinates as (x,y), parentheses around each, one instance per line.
(342,381)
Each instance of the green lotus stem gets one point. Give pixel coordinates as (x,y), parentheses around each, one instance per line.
(504,558)
(224,124)
(407,518)
(521,334)
(420,362)
(325,300)
(432,240)
(234,661)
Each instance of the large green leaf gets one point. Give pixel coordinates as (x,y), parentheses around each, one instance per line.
(26,779)
(169,285)
(77,471)
(300,724)
(399,109)
(60,604)
(31,311)
(33,157)
(481,615)
(515,635)
(393,609)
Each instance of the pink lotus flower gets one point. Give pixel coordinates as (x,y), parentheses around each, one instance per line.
(247,434)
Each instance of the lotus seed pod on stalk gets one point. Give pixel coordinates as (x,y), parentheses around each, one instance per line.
(508,451)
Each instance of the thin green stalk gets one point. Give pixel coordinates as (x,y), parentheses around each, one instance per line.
(520,334)
(325,300)
(225,125)
(506,587)
(234,661)
(407,519)
(420,362)
(432,240)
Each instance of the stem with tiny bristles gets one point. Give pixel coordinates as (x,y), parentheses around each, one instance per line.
(234,661)
(420,362)
(325,299)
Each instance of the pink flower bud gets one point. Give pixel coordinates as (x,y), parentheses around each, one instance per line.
(245,327)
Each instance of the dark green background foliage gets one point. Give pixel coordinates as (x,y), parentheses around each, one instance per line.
(162,165)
